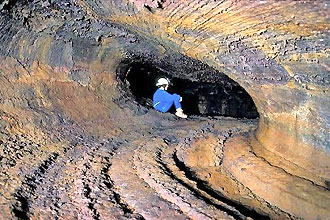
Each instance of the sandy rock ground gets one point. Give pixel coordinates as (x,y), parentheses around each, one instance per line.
(75,144)
(147,175)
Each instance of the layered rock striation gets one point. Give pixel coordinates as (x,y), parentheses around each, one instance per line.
(75,142)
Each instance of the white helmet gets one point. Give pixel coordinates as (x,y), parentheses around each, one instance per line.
(162,81)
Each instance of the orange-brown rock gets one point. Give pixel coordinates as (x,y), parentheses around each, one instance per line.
(77,141)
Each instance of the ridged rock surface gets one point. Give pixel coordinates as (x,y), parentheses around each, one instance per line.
(75,144)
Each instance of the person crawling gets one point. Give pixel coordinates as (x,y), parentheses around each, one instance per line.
(162,100)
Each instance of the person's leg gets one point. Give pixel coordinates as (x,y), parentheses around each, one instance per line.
(164,106)
(176,100)
(179,112)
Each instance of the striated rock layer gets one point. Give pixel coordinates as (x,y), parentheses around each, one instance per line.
(75,144)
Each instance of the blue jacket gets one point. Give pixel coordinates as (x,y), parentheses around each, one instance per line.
(162,100)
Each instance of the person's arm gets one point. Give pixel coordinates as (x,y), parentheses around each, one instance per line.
(166,97)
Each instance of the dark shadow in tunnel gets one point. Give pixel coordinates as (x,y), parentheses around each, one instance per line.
(226,98)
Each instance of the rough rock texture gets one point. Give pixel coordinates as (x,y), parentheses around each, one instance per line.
(75,144)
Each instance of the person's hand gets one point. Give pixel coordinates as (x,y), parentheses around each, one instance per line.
(180,99)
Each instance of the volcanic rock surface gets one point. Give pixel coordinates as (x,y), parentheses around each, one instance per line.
(80,140)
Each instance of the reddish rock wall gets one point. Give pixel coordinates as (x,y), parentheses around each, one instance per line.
(276,50)
(59,65)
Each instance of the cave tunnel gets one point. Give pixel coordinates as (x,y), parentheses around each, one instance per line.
(224,98)
(79,138)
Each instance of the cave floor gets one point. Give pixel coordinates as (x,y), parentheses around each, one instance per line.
(172,169)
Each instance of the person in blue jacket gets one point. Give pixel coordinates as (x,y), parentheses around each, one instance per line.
(162,100)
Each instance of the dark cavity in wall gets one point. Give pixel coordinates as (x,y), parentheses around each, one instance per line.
(224,98)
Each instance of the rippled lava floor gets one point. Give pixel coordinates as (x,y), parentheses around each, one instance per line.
(141,173)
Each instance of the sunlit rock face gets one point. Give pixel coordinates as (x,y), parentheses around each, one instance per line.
(64,66)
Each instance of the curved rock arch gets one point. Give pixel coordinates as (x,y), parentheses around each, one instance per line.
(58,64)
(260,53)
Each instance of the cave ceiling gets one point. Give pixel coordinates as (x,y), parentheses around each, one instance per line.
(70,118)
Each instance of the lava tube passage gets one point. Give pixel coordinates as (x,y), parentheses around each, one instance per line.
(222,97)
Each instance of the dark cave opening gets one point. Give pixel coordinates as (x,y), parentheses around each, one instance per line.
(224,98)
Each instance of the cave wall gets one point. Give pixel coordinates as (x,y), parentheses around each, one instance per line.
(59,64)
(277,51)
